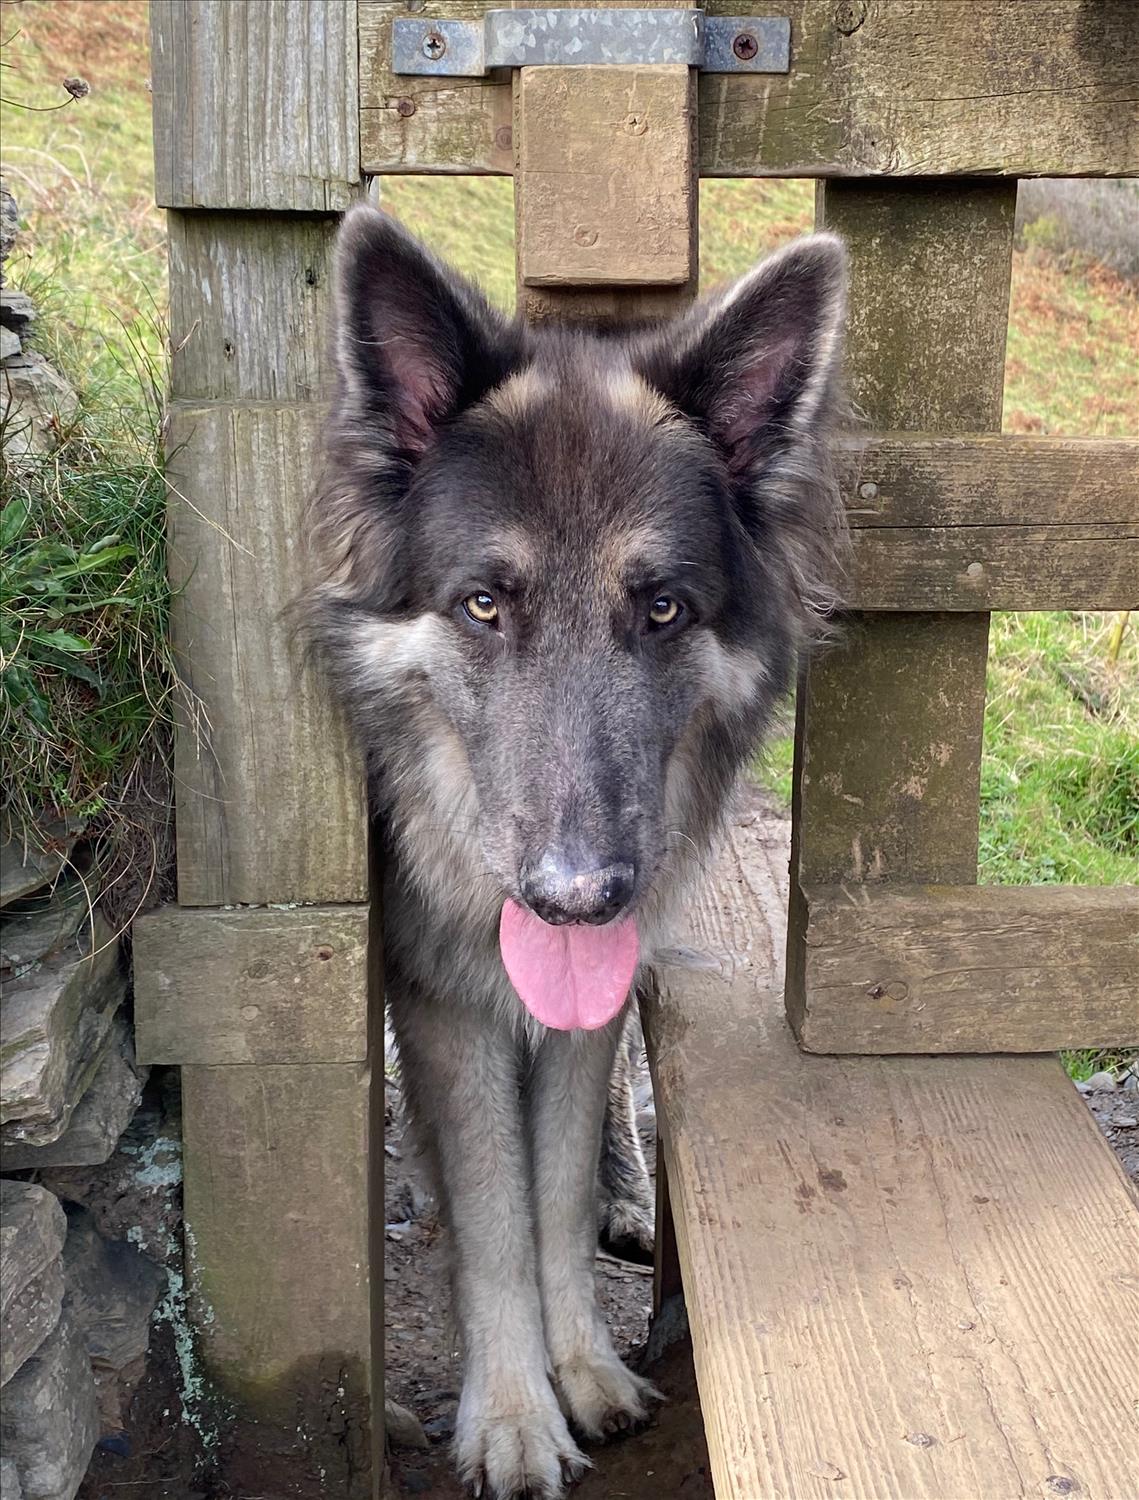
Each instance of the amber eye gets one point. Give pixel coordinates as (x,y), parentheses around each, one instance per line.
(481,607)
(663,611)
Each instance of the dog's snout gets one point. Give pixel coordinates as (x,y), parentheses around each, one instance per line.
(560,890)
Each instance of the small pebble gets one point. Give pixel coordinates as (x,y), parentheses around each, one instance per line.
(1125,1122)
(1103,1080)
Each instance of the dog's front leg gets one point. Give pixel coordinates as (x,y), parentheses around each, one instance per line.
(568,1086)
(463,1072)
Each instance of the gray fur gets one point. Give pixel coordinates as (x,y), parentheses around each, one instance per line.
(575,479)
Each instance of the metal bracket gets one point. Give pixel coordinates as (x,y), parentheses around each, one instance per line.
(541,36)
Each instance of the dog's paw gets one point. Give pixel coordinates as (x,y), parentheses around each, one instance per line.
(504,1454)
(626,1229)
(602,1397)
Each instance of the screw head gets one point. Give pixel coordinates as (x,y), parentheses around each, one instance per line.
(434,45)
(405,108)
(745,46)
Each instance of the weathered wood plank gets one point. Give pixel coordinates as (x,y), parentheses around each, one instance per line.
(604,180)
(960,969)
(995,567)
(278,1164)
(255,105)
(989,479)
(888,731)
(904,1276)
(898,87)
(250,305)
(251,985)
(269,800)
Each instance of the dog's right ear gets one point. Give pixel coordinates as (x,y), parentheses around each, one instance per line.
(415,343)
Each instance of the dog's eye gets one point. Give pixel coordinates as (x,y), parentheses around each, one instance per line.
(481,607)
(664,611)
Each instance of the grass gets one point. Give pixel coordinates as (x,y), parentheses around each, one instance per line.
(1060,770)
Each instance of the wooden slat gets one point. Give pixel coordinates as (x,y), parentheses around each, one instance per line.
(895,87)
(277,1163)
(888,726)
(255,105)
(905,1277)
(604,179)
(270,804)
(969,969)
(251,985)
(250,305)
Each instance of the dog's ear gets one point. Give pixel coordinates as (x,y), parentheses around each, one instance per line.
(415,343)
(757,367)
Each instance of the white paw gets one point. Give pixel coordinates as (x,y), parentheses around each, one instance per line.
(601,1395)
(503,1451)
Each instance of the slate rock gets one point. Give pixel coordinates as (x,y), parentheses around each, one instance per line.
(9,343)
(35,403)
(1104,1080)
(100,1117)
(35,928)
(9,226)
(25,867)
(112,1291)
(32,1231)
(55,1023)
(49,1421)
(10,1486)
(16,309)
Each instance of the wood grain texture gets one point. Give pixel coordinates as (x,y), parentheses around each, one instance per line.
(604,181)
(269,799)
(250,306)
(255,105)
(888,727)
(251,985)
(277,1207)
(905,1276)
(970,969)
(899,87)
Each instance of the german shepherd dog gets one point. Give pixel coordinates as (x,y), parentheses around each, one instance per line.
(563,578)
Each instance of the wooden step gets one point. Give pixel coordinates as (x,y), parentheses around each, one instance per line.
(914,1278)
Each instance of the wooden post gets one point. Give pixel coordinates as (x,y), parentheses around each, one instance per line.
(888,737)
(264,983)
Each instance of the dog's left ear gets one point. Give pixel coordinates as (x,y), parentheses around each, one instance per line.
(757,367)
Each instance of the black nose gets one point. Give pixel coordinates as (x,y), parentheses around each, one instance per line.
(558,892)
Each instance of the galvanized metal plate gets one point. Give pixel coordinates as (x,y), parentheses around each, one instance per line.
(541,37)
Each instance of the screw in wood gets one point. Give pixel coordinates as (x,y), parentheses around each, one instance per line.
(434,45)
(405,108)
(745,46)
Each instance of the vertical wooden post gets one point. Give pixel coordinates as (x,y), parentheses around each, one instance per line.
(607,229)
(256,150)
(888,739)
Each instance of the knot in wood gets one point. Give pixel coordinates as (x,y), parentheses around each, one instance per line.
(1060,1484)
(849,16)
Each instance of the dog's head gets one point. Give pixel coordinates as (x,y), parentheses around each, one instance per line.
(583,565)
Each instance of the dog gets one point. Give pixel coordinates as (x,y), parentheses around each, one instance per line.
(562,578)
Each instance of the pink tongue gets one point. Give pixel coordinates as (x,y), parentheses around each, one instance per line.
(568,977)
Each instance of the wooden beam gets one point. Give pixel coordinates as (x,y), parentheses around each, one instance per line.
(270,803)
(876,87)
(251,985)
(255,106)
(892,968)
(888,733)
(904,1276)
(604,179)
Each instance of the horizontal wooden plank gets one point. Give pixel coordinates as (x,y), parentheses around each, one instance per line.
(269,797)
(904,1276)
(250,305)
(893,87)
(255,106)
(251,985)
(989,479)
(892,968)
